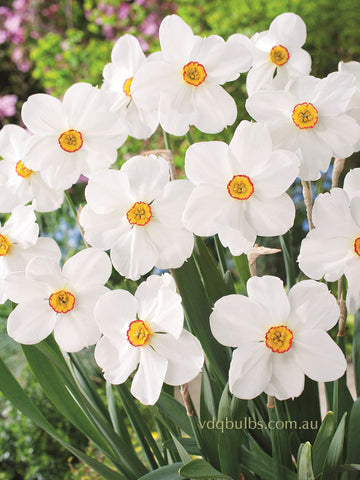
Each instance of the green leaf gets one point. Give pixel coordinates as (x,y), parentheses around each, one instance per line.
(242,267)
(170,409)
(307,409)
(12,390)
(322,442)
(305,471)
(352,467)
(185,457)
(170,472)
(201,469)
(356,351)
(353,438)
(189,444)
(197,313)
(334,455)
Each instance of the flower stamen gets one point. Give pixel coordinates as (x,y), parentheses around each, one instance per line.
(139,214)
(127,86)
(305,115)
(22,171)
(194,73)
(62,301)
(138,333)
(357,246)
(279,339)
(4,245)
(279,55)
(71,141)
(240,187)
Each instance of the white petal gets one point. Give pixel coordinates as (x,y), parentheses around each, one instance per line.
(352,183)
(114,311)
(234,230)
(160,305)
(271,216)
(43,114)
(214,109)
(318,355)
(43,152)
(340,132)
(267,106)
(352,271)
(355,210)
(45,270)
(128,53)
(236,319)
(250,370)
(91,266)
(299,64)
(312,306)
(45,199)
(323,256)
(31,321)
(20,289)
(147,176)
(287,378)
(289,29)
(75,330)
(315,155)
(184,354)
(134,254)
(259,77)
(336,91)
(148,380)
(206,162)
(250,149)
(117,361)
(21,227)
(176,39)
(13,140)
(65,173)
(269,292)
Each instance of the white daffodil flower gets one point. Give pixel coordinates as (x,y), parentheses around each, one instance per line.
(126,59)
(310,117)
(146,330)
(332,248)
(183,79)
(59,300)
(136,212)
(19,184)
(278,338)
(353,107)
(352,183)
(278,56)
(78,135)
(19,243)
(240,189)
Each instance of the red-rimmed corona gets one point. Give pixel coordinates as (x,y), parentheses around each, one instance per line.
(127,86)
(22,170)
(279,339)
(357,246)
(139,214)
(4,245)
(240,187)
(194,73)
(71,141)
(305,115)
(279,55)
(62,301)
(138,333)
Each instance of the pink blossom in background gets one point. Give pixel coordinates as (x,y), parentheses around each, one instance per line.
(123,11)
(7,106)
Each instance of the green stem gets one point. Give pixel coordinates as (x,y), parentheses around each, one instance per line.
(220,254)
(166,140)
(288,260)
(276,452)
(189,138)
(71,203)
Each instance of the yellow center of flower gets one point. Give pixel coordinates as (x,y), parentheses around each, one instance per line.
(194,73)
(357,246)
(139,214)
(4,245)
(62,301)
(279,55)
(240,187)
(22,171)
(138,333)
(279,339)
(71,141)
(305,115)
(127,85)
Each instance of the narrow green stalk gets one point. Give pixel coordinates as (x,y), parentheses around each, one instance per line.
(288,260)
(166,140)
(71,203)
(276,452)
(220,254)
(189,138)
(335,400)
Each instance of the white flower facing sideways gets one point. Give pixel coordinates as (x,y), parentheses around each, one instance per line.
(126,59)
(278,338)
(183,79)
(19,184)
(332,248)
(136,212)
(310,117)
(146,329)
(59,300)
(78,135)
(278,56)
(19,243)
(353,107)
(240,189)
